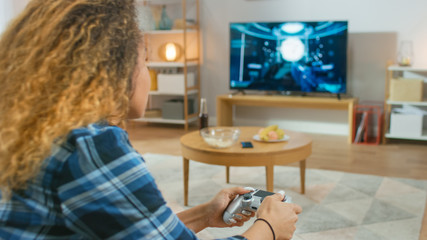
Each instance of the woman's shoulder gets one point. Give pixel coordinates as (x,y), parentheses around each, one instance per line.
(96,130)
(94,147)
(85,150)
(101,138)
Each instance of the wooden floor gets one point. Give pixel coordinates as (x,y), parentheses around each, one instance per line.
(331,152)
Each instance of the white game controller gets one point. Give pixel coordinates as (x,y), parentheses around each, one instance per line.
(246,204)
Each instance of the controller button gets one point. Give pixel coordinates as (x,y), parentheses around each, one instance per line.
(255,208)
(247,196)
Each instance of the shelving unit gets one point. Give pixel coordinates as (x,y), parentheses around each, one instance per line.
(188,38)
(390,105)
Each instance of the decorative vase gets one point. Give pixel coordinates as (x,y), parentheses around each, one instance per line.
(405,54)
(165,22)
(145,18)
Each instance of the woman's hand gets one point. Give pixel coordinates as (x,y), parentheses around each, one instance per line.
(281,216)
(210,214)
(216,207)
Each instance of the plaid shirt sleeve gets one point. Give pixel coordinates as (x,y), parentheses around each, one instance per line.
(106,191)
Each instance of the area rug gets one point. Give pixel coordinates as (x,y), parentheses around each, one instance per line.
(336,205)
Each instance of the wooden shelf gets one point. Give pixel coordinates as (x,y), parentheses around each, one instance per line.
(423,137)
(170,64)
(159,2)
(423,103)
(173,31)
(162,120)
(156,93)
(188,39)
(413,69)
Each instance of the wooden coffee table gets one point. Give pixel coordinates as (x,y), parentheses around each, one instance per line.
(296,149)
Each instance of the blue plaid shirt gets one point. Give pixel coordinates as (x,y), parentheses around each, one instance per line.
(94,186)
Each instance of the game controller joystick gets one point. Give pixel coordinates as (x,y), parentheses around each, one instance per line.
(246,204)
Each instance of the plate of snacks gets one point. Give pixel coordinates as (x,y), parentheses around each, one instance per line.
(271,134)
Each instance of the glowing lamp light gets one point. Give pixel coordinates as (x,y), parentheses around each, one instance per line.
(170,52)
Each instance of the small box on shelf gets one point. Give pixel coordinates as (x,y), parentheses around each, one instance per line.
(407,121)
(174,83)
(405,89)
(174,109)
(406,125)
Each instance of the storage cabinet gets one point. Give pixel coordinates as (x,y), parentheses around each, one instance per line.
(405,104)
(176,79)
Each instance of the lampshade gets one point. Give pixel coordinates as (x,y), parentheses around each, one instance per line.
(170,52)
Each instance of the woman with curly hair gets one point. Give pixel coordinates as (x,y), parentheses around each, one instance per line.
(71,73)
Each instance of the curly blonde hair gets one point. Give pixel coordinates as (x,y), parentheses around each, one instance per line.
(63,65)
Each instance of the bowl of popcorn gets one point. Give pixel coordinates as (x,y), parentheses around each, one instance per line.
(220,137)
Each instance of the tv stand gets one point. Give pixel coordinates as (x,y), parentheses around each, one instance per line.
(225,103)
(338,96)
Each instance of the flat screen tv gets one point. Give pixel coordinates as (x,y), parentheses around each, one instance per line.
(304,57)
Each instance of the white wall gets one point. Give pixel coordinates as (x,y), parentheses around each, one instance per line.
(6,13)
(19,5)
(8,10)
(375,28)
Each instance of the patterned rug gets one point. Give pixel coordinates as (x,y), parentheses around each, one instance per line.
(336,205)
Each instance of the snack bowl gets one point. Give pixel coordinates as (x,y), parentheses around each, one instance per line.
(220,137)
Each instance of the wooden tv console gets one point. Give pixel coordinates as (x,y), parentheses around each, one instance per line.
(225,103)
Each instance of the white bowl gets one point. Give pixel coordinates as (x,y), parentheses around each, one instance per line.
(220,137)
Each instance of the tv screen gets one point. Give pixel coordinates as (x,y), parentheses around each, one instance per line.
(289,56)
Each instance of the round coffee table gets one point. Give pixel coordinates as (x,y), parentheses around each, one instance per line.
(296,149)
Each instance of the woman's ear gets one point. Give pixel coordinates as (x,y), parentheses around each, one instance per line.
(140,87)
